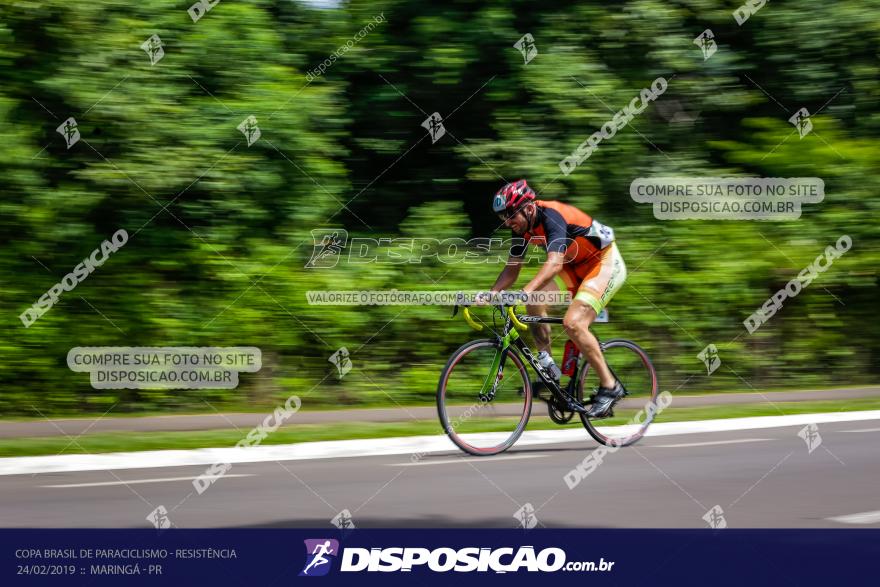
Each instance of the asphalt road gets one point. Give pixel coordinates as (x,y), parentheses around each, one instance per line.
(759,478)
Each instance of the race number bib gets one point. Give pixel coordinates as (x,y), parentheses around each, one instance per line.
(604,234)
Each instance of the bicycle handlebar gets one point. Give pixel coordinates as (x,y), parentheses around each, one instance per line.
(519,325)
(479,327)
(470,321)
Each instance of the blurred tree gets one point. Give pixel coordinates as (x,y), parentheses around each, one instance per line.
(220,229)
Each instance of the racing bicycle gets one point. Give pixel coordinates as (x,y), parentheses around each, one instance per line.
(485,395)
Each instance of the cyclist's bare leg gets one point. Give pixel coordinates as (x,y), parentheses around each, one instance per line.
(541,332)
(577,323)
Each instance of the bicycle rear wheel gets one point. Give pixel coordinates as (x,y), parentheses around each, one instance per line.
(635,412)
(484,398)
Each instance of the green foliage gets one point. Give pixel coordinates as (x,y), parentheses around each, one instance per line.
(220,232)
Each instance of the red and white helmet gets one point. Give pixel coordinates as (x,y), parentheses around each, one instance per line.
(512,196)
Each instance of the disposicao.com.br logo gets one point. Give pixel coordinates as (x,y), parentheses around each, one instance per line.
(319,555)
(443,559)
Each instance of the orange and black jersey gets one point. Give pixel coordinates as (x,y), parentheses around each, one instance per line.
(561,228)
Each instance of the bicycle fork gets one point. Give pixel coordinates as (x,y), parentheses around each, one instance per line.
(496,373)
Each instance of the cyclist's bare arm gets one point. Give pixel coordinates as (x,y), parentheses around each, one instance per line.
(551,267)
(509,274)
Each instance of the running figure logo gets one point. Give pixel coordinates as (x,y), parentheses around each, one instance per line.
(317,552)
(710,358)
(341,359)
(434,126)
(706,43)
(328,244)
(526,46)
(526,516)
(810,435)
(250,130)
(715,518)
(801,121)
(159,518)
(343,520)
(153,48)
(70,131)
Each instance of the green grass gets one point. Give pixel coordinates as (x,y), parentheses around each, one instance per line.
(317,404)
(135,441)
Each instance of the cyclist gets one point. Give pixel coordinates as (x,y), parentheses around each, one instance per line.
(581,250)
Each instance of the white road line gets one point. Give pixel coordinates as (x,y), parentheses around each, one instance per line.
(862,518)
(366,447)
(138,481)
(481,460)
(863,430)
(685,445)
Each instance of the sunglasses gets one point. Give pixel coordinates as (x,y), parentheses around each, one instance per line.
(507,214)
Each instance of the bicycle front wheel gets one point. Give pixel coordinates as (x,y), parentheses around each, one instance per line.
(484,398)
(635,412)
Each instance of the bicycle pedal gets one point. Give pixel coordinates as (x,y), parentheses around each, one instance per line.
(577,408)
